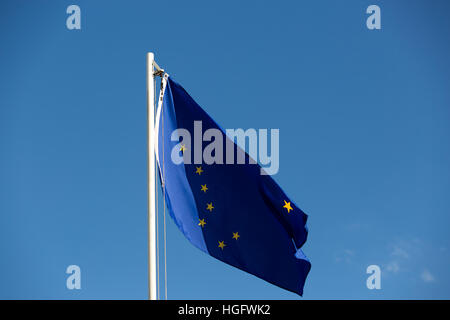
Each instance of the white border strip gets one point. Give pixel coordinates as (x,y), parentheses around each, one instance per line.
(158,116)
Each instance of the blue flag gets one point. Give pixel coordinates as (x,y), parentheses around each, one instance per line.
(228,209)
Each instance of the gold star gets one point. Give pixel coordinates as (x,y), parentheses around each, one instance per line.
(209,207)
(201,222)
(222,245)
(204,188)
(236,235)
(198,170)
(183,148)
(287,205)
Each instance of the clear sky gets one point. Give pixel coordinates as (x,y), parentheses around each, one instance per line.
(364,119)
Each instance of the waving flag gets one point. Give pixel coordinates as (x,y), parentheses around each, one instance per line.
(230,211)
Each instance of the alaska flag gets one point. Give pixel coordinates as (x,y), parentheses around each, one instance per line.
(229,211)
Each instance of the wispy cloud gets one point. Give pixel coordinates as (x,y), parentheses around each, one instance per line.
(399,252)
(407,256)
(345,256)
(427,276)
(393,267)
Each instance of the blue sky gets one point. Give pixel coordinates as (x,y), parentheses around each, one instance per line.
(364,140)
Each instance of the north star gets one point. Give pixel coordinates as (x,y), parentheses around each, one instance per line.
(195,310)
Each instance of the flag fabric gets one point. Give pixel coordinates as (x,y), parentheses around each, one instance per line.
(230,211)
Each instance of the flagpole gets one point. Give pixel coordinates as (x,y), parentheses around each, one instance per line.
(151,178)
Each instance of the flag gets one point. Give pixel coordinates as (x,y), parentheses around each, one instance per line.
(232,212)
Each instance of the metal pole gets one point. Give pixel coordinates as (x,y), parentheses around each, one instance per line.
(151,179)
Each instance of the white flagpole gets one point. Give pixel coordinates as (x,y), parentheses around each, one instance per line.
(151,178)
